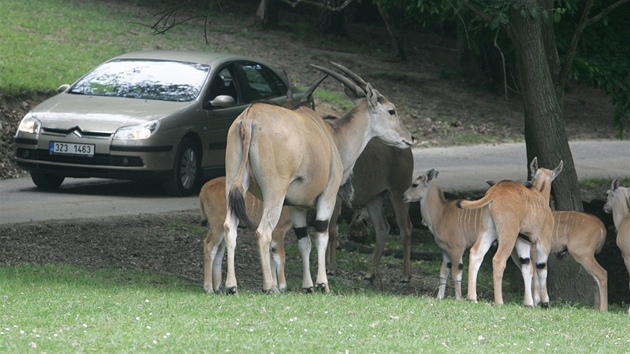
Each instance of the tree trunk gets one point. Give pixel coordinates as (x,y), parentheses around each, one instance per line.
(267,13)
(545,135)
(397,43)
(333,22)
(546,138)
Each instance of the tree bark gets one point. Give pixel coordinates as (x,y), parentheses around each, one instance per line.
(545,135)
(333,22)
(267,13)
(397,43)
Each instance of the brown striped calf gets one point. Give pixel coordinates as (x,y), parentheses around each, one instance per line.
(454,229)
(515,208)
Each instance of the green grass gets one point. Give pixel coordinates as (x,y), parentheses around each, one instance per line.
(336,98)
(58,309)
(602,183)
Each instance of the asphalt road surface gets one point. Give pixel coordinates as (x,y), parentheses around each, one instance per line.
(461,168)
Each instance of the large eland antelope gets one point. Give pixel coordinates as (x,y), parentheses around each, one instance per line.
(515,208)
(618,203)
(381,170)
(370,184)
(454,229)
(296,158)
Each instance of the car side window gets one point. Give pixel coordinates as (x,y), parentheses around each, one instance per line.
(261,82)
(223,84)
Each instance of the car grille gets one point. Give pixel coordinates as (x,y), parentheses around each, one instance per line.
(64,132)
(97,159)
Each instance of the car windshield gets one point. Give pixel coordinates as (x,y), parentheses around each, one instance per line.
(145,79)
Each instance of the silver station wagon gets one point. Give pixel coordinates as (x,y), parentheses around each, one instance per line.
(154,115)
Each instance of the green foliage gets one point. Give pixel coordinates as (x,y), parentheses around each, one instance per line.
(601,59)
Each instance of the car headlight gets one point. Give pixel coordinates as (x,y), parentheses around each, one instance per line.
(137,132)
(29,124)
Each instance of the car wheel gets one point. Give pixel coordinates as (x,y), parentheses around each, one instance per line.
(46,181)
(186,172)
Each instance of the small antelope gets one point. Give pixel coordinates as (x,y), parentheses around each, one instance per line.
(455,230)
(618,203)
(213,208)
(583,236)
(295,158)
(515,208)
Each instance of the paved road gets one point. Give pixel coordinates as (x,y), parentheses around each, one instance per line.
(461,168)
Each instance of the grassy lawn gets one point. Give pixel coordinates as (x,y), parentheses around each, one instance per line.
(45,43)
(60,309)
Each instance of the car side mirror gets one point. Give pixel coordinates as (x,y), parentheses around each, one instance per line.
(223,101)
(63,88)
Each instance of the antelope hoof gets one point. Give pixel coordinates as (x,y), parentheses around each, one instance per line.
(308,290)
(208,289)
(369,278)
(323,287)
(273,290)
(231,291)
(405,281)
(544,305)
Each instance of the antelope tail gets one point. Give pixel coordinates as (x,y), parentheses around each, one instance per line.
(204,218)
(600,242)
(236,197)
(475,204)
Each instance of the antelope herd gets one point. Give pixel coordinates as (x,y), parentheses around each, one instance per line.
(284,160)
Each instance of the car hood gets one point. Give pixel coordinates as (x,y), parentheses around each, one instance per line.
(101,114)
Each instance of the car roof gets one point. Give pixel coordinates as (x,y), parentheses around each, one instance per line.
(210,58)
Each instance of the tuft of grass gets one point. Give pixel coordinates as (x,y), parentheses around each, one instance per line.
(602,183)
(335,98)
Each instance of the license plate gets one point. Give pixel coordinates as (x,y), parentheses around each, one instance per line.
(58,148)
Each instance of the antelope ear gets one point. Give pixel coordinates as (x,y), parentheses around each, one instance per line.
(533,167)
(558,169)
(491,182)
(372,96)
(351,94)
(429,177)
(615,184)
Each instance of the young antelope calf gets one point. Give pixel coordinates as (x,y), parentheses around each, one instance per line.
(618,203)
(515,208)
(583,236)
(454,229)
(213,207)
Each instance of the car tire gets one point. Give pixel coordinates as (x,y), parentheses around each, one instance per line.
(46,181)
(186,171)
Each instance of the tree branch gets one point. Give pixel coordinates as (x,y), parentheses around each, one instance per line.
(472,7)
(605,12)
(584,22)
(316,3)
